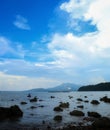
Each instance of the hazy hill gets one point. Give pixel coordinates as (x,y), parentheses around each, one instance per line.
(97,87)
(61,88)
(65,87)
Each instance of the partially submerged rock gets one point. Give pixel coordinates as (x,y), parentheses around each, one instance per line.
(64,105)
(80,106)
(95,102)
(76,113)
(58,118)
(59,109)
(33,99)
(102,122)
(79,99)
(11,112)
(23,103)
(94,114)
(105,99)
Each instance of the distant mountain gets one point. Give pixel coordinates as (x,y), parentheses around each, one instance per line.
(97,87)
(65,87)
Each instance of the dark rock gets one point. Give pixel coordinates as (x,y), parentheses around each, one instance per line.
(79,99)
(33,107)
(11,112)
(102,122)
(81,106)
(76,113)
(86,101)
(33,99)
(29,95)
(85,96)
(23,103)
(95,102)
(41,106)
(59,109)
(52,97)
(105,99)
(64,105)
(70,97)
(94,114)
(58,118)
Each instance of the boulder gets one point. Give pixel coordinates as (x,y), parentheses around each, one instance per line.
(58,118)
(64,105)
(95,102)
(79,99)
(105,99)
(102,122)
(33,99)
(23,103)
(76,113)
(81,106)
(94,114)
(59,109)
(11,112)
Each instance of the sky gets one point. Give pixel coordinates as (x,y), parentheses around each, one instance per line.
(44,43)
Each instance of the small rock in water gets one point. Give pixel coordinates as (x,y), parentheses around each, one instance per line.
(23,103)
(94,114)
(33,99)
(58,118)
(76,113)
(95,102)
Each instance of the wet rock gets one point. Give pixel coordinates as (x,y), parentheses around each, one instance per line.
(58,118)
(64,105)
(85,96)
(79,99)
(29,95)
(76,113)
(33,99)
(52,96)
(11,112)
(23,103)
(95,102)
(59,109)
(105,99)
(70,97)
(86,101)
(33,107)
(41,106)
(102,122)
(81,106)
(94,114)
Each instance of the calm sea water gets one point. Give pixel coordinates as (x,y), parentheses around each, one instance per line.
(35,116)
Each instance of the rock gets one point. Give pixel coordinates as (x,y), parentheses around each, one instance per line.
(81,106)
(76,113)
(95,102)
(41,106)
(102,122)
(85,96)
(86,101)
(58,118)
(33,107)
(23,103)
(29,95)
(11,112)
(33,99)
(105,99)
(70,97)
(79,99)
(64,105)
(59,109)
(52,97)
(94,114)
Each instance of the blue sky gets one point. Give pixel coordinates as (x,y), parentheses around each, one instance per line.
(44,43)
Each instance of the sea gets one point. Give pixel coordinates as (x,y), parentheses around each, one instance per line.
(43,110)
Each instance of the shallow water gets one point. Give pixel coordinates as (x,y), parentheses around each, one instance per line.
(37,115)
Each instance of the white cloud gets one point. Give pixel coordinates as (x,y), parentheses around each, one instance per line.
(10,48)
(89,51)
(21,23)
(17,83)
